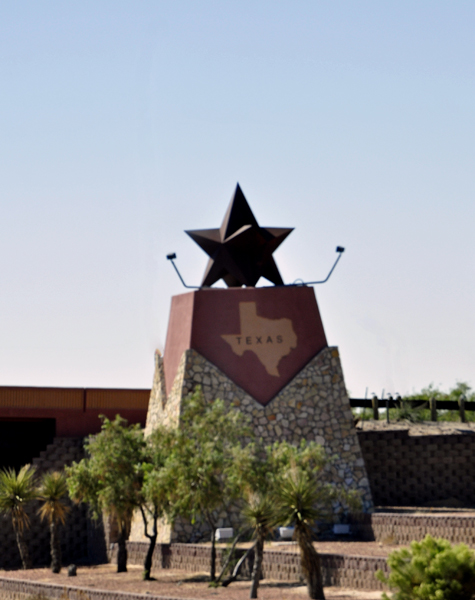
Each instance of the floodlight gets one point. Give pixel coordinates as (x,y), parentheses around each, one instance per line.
(339,250)
(171,257)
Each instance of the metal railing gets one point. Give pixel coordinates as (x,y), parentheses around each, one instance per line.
(375,404)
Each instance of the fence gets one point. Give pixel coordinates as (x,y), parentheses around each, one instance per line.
(461,406)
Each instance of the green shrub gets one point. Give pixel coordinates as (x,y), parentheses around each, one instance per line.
(431,570)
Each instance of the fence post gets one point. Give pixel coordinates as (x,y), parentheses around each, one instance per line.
(462,408)
(374,402)
(433,408)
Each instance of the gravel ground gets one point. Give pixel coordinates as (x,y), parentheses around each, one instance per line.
(184,585)
(344,547)
(180,585)
(423,428)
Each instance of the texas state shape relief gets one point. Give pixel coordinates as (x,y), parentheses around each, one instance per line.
(269,339)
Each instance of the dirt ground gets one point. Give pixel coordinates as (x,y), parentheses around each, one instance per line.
(421,428)
(179,584)
(341,547)
(184,585)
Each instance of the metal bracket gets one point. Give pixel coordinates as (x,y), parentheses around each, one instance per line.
(171,258)
(340,251)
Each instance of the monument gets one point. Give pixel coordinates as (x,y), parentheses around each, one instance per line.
(262,350)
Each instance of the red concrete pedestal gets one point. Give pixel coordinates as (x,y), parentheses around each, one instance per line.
(259,337)
(262,352)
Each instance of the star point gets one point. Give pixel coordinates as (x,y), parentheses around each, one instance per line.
(240,250)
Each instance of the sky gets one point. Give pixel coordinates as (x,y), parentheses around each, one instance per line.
(123,123)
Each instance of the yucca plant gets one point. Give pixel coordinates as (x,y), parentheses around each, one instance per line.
(298,499)
(301,497)
(16,491)
(52,492)
(259,512)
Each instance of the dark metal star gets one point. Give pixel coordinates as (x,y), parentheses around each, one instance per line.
(240,251)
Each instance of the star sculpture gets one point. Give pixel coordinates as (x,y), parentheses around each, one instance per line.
(240,250)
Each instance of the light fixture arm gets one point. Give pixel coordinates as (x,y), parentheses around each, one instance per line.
(340,251)
(171,258)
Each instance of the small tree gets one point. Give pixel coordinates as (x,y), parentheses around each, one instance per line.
(259,511)
(283,484)
(431,569)
(301,497)
(110,478)
(201,460)
(52,492)
(298,497)
(253,469)
(158,483)
(17,490)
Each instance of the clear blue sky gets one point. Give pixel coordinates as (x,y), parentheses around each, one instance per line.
(124,123)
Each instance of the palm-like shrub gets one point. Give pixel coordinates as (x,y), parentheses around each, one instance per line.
(16,491)
(259,512)
(283,484)
(52,493)
(299,499)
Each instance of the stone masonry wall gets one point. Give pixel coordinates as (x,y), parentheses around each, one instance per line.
(417,470)
(397,528)
(355,572)
(80,538)
(24,589)
(160,410)
(313,406)
(73,535)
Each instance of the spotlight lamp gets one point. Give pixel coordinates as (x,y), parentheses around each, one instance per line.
(171,257)
(339,250)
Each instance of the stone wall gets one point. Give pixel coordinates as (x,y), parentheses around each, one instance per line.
(63,451)
(313,406)
(163,411)
(418,470)
(22,589)
(355,572)
(397,528)
(81,538)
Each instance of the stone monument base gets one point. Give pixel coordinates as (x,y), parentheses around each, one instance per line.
(314,405)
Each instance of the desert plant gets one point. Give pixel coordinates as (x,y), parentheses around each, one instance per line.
(408,411)
(157,484)
(52,492)
(259,512)
(110,478)
(16,491)
(254,473)
(301,497)
(201,460)
(431,569)
(285,484)
(422,413)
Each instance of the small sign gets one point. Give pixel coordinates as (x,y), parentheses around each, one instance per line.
(224,533)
